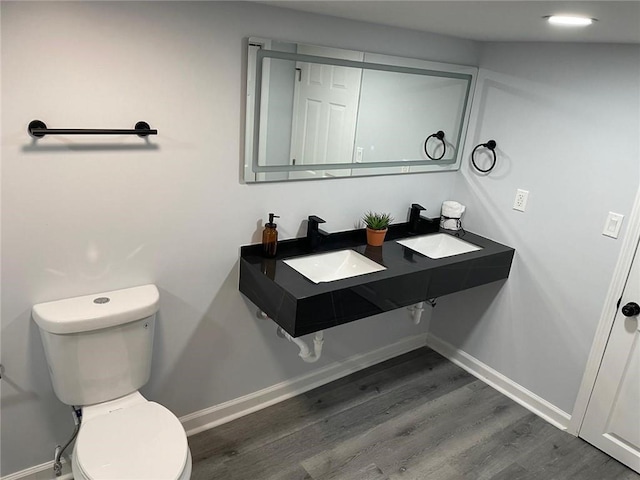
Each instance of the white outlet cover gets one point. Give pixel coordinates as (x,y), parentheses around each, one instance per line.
(520,202)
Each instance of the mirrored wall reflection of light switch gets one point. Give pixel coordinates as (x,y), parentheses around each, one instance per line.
(613,224)
(359,153)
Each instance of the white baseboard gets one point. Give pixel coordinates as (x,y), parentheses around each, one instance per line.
(42,472)
(504,385)
(238,407)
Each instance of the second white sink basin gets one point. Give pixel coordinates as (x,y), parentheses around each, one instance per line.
(327,267)
(439,245)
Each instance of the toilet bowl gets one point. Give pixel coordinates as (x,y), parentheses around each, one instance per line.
(130,439)
(98,348)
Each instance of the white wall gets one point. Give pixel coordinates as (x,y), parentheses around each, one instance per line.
(79,219)
(566,119)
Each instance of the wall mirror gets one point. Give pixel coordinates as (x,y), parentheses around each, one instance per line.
(319,112)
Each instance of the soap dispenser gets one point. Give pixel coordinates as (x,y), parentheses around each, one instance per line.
(270,237)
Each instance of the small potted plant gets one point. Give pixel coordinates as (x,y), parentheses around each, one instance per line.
(377,224)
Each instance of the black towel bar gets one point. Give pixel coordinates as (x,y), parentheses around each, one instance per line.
(38,129)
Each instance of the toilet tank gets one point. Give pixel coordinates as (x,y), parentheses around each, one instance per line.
(99,347)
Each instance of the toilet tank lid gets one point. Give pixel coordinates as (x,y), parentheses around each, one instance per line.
(100,310)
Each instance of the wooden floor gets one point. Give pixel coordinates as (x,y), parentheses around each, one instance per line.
(416,416)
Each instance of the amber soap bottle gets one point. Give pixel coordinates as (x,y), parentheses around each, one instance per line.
(270,237)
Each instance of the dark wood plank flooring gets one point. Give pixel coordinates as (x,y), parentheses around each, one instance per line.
(417,416)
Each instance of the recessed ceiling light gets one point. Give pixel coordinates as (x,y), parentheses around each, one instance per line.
(569,20)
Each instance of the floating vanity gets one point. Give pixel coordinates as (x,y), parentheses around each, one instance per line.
(346,280)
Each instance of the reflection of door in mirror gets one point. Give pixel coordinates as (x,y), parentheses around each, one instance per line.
(325,112)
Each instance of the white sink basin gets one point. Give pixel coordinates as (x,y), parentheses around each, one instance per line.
(327,267)
(438,245)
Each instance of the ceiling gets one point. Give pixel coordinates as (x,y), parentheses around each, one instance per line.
(490,20)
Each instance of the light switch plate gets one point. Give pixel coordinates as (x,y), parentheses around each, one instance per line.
(613,224)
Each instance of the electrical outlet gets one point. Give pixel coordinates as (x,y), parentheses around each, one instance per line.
(520,203)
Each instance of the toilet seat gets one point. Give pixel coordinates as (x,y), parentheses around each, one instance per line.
(140,442)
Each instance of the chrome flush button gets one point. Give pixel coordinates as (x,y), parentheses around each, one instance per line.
(101,300)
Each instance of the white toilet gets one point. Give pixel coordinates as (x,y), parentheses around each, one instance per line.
(98,348)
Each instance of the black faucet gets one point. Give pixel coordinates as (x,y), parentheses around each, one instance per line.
(418,224)
(414,217)
(314,233)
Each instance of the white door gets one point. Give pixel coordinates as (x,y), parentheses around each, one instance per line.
(612,421)
(325,112)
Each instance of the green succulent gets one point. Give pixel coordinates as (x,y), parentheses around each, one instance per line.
(377,221)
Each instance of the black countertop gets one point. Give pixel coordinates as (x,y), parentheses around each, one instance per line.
(300,306)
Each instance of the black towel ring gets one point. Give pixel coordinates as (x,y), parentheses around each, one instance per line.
(491,145)
(440,136)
